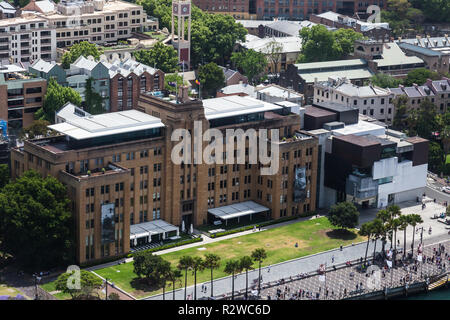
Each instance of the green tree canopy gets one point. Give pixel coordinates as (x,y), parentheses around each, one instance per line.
(34,217)
(152,268)
(56,97)
(211,79)
(419,76)
(93,101)
(251,63)
(436,157)
(37,128)
(88,283)
(384,80)
(160,56)
(321,44)
(344,215)
(84,49)
(4,177)
(174,78)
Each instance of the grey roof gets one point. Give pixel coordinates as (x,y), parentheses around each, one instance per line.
(127,66)
(393,55)
(349,89)
(432,42)
(365,26)
(228,73)
(150,228)
(239,88)
(289,27)
(424,51)
(41,65)
(331,64)
(237,210)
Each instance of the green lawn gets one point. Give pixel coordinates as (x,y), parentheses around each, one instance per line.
(447,159)
(312,236)
(9,291)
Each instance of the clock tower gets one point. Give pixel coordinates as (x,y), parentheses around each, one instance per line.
(181,10)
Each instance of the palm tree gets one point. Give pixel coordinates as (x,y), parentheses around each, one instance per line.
(246,264)
(404,223)
(197,265)
(164,269)
(366,230)
(415,219)
(395,223)
(259,255)
(185,263)
(394,212)
(384,217)
(173,275)
(378,230)
(212,261)
(232,267)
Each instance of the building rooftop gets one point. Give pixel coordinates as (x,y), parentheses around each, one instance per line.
(239,88)
(42,65)
(291,28)
(349,89)
(126,66)
(360,128)
(333,106)
(107,124)
(274,90)
(289,44)
(231,106)
(365,26)
(361,140)
(70,111)
(392,55)
(317,112)
(331,64)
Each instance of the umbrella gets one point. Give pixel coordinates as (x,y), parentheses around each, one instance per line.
(192,228)
(183,229)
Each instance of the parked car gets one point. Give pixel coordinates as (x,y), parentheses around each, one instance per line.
(445,189)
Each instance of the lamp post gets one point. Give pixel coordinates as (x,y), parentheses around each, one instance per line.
(36,280)
(106,288)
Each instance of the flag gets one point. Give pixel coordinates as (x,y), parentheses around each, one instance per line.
(172,84)
(197,81)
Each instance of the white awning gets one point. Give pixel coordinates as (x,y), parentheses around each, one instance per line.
(150,228)
(237,210)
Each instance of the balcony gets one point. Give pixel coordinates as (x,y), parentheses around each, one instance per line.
(361,187)
(100,173)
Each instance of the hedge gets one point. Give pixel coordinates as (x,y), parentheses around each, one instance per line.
(170,245)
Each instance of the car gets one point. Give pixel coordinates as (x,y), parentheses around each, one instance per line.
(445,189)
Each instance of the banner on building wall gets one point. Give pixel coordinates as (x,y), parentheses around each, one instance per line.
(300,184)
(108,234)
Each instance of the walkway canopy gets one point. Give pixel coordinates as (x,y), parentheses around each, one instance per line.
(151,228)
(237,210)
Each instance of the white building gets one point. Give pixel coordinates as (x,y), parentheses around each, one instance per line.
(370,100)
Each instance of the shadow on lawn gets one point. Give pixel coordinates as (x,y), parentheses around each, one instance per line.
(143,285)
(341,234)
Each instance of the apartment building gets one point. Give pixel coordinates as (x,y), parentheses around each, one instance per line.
(286,9)
(436,91)
(7,10)
(25,39)
(127,191)
(20,97)
(369,100)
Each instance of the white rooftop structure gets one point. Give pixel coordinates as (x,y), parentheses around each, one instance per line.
(345,87)
(7,8)
(231,106)
(393,55)
(361,128)
(289,44)
(70,112)
(43,65)
(107,124)
(280,92)
(85,63)
(365,26)
(150,228)
(126,66)
(10,68)
(239,88)
(237,210)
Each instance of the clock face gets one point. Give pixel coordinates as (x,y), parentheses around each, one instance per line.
(185,9)
(175,8)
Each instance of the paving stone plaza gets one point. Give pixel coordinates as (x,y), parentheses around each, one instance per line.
(349,281)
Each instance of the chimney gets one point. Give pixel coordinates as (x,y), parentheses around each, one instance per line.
(183,96)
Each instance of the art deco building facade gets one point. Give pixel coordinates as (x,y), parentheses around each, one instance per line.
(127,191)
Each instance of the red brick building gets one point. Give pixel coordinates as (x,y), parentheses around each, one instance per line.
(288,9)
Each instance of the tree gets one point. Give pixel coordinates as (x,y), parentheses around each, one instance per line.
(113,296)
(366,231)
(211,79)
(384,80)
(384,216)
(197,265)
(164,271)
(89,282)
(4,177)
(93,101)
(173,77)
(174,275)
(152,268)
(423,121)
(419,76)
(274,52)
(414,220)
(232,267)
(404,223)
(82,48)
(246,264)
(56,97)
(394,211)
(378,230)
(259,255)
(212,261)
(434,10)
(185,263)
(160,56)
(401,112)
(35,215)
(344,215)
(251,63)
(37,128)
(435,157)
(396,16)
(321,44)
